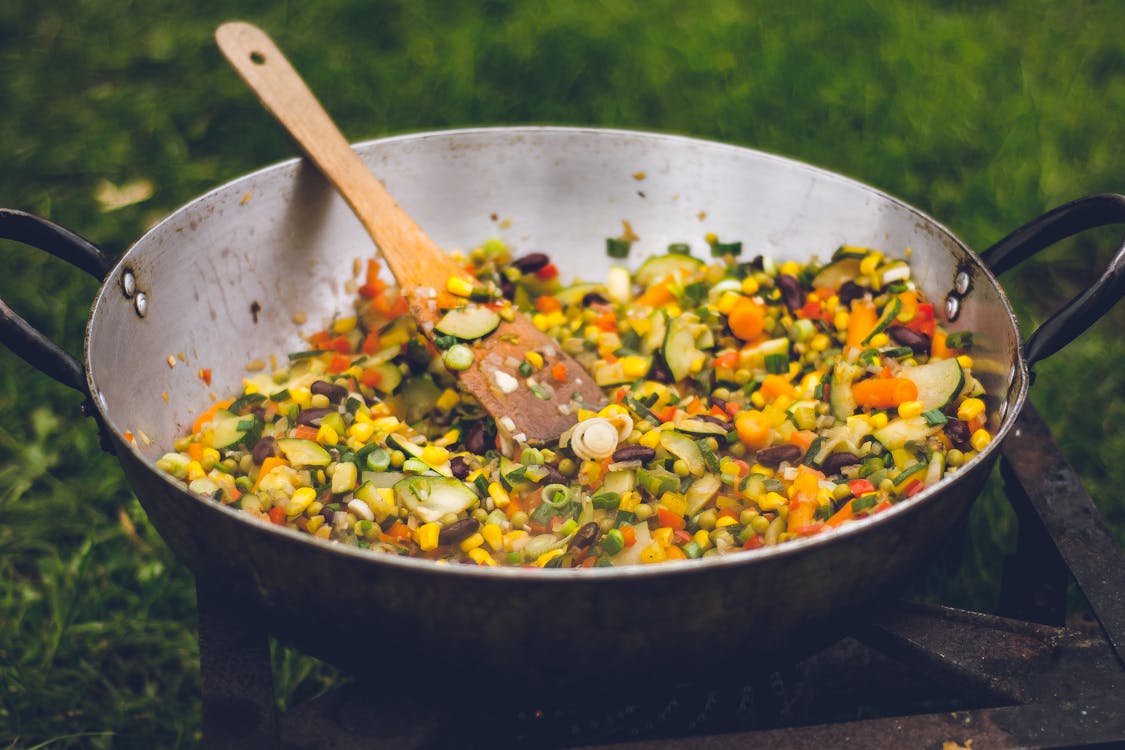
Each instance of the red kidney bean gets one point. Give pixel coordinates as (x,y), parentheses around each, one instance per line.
(958,431)
(475,439)
(460,467)
(458,531)
(263,449)
(531,262)
(634,453)
(904,336)
(791,292)
(585,536)
(837,461)
(312,417)
(776,454)
(335,393)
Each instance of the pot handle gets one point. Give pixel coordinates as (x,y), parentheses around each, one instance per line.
(1085,309)
(19,335)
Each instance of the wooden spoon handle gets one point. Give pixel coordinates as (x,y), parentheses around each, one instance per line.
(414,259)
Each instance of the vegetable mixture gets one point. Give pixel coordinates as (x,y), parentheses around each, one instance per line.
(750,403)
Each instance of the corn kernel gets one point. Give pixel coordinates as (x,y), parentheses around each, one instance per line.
(324,532)
(757,399)
(650,439)
(499,495)
(763,470)
(750,286)
(728,301)
(819,342)
(434,455)
(701,537)
(634,367)
(319,401)
(879,420)
(965,361)
(908,409)
(314,523)
(325,435)
(790,268)
(480,556)
(879,340)
(458,286)
(725,521)
(361,431)
(840,320)
(248,387)
(535,359)
(343,325)
(547,556)
(641,326)
(980,439)
(539,320)
(426,536)
(301,396)
(970,408)
(514,536)
(302,498)
(448,399)
(674,502)
(472,542)
(493,535)
(629,501)
(195,471)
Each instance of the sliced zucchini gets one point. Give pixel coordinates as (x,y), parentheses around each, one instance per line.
(840,390)
(833,275)
(684,447)
(890,314)
(613,373)
(390,377)
(512,473)
(619,482)
(469,322)
(803,414)
(939,382)
(228,428)
(901,431)
(300,452)
(656,481)
(701,492)
(697,426)
(431,498)
(417,398)
(413,450)
(681,344)
(659,267)
(574,294)
(658,328)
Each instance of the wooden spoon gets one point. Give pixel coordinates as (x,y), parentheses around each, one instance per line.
(421,268)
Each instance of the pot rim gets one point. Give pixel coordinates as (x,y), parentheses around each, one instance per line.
(1012,401)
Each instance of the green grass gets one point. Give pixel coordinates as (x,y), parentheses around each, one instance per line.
(983,114)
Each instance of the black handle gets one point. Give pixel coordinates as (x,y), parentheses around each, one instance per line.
(1086,308)
(15,332)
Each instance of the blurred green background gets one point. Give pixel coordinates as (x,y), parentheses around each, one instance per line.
(114,113)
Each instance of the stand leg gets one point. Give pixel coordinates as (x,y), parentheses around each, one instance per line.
(239,710)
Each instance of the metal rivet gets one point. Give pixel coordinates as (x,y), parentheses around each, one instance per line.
(961,283)
(952,307)
(129,284)
(141,304)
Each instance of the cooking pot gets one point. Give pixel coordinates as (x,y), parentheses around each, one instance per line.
(220,282)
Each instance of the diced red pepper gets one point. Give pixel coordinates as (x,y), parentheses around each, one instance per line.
(370,343)
(860,487)
(913,488)
(370,377)
(670,519)
(338,364)
(681,536)
(341,344)
(547,272)
(629,535)
(754,542)
(205,375)
(277,515)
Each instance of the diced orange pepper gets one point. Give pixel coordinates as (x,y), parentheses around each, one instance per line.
(776,385)
(658,294)
(268,465)
(305,432)
(548,303)
(861,321)
(370,377)
(938,348)
(339,363)
(629,535)
(277,515)
(606,322)
(195,451)
(674,553)
(803,439)
(399,531)
(558,372)
(670,519)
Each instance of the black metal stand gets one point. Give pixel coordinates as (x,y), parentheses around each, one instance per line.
(1015,679)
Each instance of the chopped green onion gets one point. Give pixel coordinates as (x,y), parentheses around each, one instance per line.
(280,395)
(415,466)
(305,354)
(613,542)
(692,550)
(726,248)
(777,364)
(679,248)
(458,357)
(378,460)
(934,417)
(866,502)
(617,248)
(898,352)
(444,342)
(539,392)
(606,500)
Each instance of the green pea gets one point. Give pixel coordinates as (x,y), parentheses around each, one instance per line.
(706,519)
(643,511)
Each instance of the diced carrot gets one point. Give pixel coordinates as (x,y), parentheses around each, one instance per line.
(370,377)
(277,515)
(726,359)
(548,303)
(861,487)
(776,385)
(753,431)
(803,439)
(339,363)
(372,272)
(321,340)
(370,343)
(399,531)
(341,344)
(195,451)
(844,514)
(670,519)
(558,372)
(884,393)
(629,535)
(208,415)
(754,542)
(674,553)
(746,320)
(657,295)
(305,432)
(667,414)
(861,322)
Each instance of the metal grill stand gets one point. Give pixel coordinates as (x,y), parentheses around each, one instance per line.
(933,674)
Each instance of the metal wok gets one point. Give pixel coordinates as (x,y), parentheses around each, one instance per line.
(220,281)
